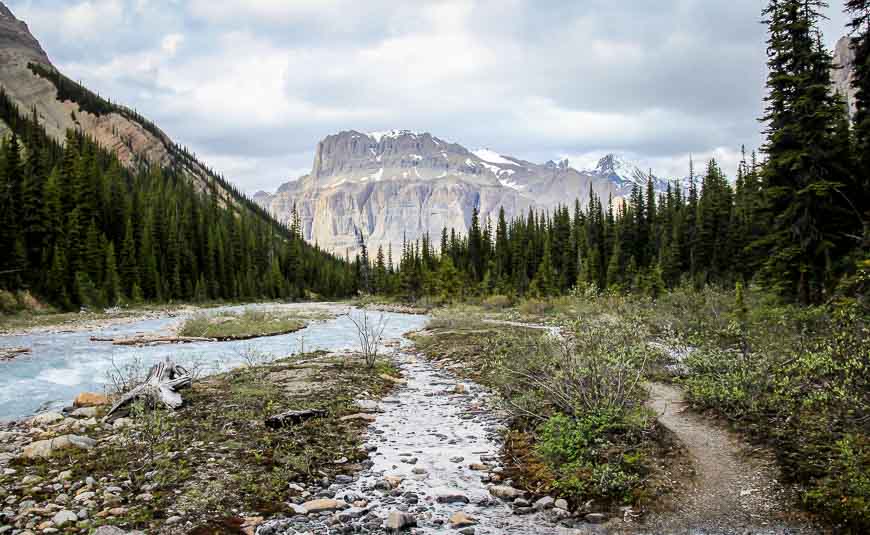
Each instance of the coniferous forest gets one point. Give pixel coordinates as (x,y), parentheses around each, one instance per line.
(795,220)
(79,229)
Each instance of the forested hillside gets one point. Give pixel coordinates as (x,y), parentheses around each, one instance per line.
(797,223)
(78,228)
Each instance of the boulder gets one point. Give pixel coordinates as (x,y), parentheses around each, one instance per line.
(544,503)
(460,520)
(324,504)
(397,521)
(42,449)
(62,518)
(109,530)
(85,412)
(46,418)
(506,493)
(91,399)
(561,504)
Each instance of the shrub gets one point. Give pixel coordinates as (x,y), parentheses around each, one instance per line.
(8,303)
(535,307)
(589,455)
(497,302)
(599,371)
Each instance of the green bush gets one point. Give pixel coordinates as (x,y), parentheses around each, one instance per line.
(802,384)
(588,455)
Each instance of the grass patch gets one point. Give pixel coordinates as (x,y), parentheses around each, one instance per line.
(251,323)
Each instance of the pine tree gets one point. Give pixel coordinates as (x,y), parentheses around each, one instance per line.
(859,11)
(111,280)
(804,181)
(129,266)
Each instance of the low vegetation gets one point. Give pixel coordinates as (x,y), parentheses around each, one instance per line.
(579,428)
(791,378)
(251,323)
(214,461)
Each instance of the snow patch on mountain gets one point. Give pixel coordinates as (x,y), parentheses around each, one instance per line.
(493,157)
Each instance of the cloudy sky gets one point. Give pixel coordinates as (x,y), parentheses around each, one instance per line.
(252,85)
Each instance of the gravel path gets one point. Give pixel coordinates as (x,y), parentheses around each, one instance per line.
(732,492)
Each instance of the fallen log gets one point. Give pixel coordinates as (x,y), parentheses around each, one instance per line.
(9,353)
(160,387)
(149,340)
(286,419)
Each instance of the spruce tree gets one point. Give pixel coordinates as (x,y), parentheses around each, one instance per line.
(805,183)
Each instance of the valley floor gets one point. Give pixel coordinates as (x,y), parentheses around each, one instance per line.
(434,439)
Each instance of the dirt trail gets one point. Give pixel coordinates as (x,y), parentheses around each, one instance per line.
(732,492)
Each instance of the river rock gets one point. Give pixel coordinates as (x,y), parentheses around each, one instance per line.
(505,492)
(367,405)
(398,521)
(297,509)
(561,504)
(323,504)
(90,399)
(393,481)
(460,520)
(544,503)
(64,517)
(85,412)
(31,480)
(46,418)
(109,530)
(42,449)
(451,496)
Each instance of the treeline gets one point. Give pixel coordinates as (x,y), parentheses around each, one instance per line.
(183,159)
(79,229)
(796,223)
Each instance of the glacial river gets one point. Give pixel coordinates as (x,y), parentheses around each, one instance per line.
(62,364)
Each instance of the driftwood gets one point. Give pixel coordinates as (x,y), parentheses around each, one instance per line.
(160,387)
(148,340)
(9,353)
(286,419)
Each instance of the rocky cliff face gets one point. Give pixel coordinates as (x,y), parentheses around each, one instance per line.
(383,188)
(844,72)
(130,139)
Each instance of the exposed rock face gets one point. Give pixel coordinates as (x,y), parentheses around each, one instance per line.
(384,188)
(127,138)
(844,72)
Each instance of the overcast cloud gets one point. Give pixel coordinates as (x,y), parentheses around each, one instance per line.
(252,85)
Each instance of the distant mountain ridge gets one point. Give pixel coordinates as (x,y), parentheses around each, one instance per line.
(385,188)
(31,81)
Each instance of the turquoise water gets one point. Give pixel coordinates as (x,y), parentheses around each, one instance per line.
(63,364)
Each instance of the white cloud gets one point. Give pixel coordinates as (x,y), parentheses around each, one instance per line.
(252,85)
(171,43)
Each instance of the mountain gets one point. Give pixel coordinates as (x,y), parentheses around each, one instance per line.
(844,72)
(98,206)
(31,81)
(384,188)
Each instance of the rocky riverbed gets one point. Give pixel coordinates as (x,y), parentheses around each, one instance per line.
(423,459)
(433,468)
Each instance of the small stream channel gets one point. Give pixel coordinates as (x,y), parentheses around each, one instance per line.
(429,433)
